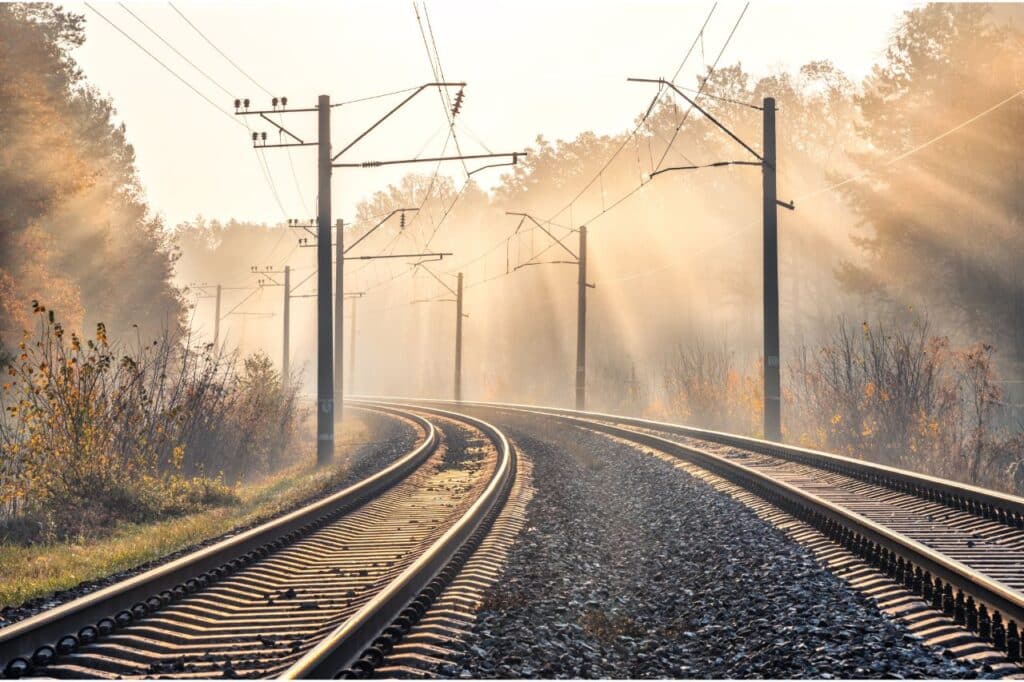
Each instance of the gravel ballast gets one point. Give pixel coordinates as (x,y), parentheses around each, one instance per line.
(392,438)
(629,567)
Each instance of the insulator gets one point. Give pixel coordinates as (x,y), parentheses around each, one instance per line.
(401,222)
(284,101)
(273,102)
(264,136)
(255,136)
(238,103)
(245,102)
(457,106)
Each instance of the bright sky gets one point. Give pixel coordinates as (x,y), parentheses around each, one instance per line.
(532,67)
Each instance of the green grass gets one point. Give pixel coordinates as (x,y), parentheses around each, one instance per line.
(33,571)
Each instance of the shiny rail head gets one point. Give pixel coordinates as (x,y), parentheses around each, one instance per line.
(342,647)
(31,640)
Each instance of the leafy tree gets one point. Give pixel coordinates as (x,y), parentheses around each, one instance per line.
(942,227)
(75,230)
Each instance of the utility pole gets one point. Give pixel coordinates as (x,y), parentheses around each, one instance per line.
(770,245)
(285,352)
(216,320)
(772,380)
(458,340)
(457,293)
(580,261)
(204,291)
(324,349)
(339,311)
(581,325)
(267,280)
(327,345)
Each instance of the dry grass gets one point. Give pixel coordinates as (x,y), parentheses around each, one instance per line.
(27,572)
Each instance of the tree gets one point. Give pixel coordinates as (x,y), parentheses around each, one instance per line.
(75,231)
(942,227)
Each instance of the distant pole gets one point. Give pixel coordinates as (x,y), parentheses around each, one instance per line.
(581,325)
(324,367)
(458,340)
(216,320)
(772,381)
(285,351)
(339,319)
(352,350)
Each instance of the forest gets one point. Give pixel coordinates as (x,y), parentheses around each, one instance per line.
(900,270)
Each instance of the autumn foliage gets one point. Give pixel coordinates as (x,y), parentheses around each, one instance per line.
(93,433)
(893,393)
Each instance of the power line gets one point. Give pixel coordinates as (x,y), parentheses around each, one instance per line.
(266,171)
(916,149)
(269,174)
(636,128)
(219,51)
(723,236)
(175,50)
(253,293)
(367,99)
(505,241)
(605,209)
(161,63)
(439,75)
(703,83)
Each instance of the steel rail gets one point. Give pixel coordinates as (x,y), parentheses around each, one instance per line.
(989,504)
(965,594)
(39,639)
(342,647)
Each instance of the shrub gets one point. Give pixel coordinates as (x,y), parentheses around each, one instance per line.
(892,392)
(902,396)
(702,386)
(93,434)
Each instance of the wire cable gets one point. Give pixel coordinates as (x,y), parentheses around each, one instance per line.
(914,150)
(175,50)
(703,83)
(161,63)
(367,99)
(219,51)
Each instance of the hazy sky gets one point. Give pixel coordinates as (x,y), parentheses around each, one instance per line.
(554,68)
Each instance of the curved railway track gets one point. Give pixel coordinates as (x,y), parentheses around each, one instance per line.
(327,588)
(957,547)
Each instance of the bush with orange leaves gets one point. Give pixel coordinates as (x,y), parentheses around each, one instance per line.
(93,434)
(904,397)
(703,386)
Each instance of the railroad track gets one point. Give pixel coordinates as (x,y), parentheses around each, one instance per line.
(327,589)
(956,547)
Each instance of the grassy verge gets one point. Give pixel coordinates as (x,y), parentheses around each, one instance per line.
(27,572)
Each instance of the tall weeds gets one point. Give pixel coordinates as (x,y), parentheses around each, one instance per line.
(93,433)
(899,395)
(893,393)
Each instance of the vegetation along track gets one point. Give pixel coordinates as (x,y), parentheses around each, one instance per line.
(326,589)
(956,547)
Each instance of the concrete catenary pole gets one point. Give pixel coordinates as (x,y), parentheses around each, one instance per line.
(216,320)
(325,349)
(581,325)
(285,339)
(458,339)
(772,382)
(339,313)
